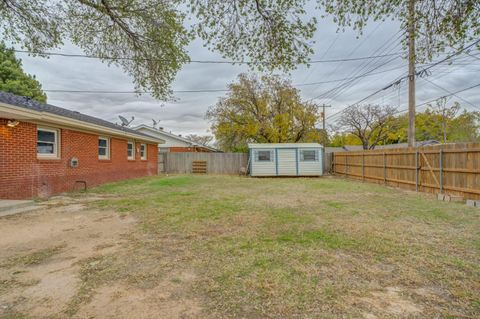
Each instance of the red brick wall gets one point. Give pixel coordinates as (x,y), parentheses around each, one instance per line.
(22,175)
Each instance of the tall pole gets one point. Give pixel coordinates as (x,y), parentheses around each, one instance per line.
(323,116)
(411,73)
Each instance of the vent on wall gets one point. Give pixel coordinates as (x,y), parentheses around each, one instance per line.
(74,162)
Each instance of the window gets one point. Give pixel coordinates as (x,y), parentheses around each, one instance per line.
(130,150)
(308,156)
(143,151)
(264,156)
(103,148)
(47,143)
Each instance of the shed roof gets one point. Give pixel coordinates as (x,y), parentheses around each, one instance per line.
(284,145)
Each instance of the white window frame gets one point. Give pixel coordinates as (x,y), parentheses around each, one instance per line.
(144,156)
(56,144)
(107,156)
(132,157)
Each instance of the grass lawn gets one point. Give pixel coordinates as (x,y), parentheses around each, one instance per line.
(316,247)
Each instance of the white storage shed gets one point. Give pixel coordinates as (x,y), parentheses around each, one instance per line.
(286,159)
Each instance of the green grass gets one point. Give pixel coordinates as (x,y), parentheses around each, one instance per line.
(299,247)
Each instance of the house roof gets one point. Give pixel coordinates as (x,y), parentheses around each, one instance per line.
(284,145)
(165,133)
(38,107)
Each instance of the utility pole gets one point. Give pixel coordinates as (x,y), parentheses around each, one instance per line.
(411,73)
(324,116)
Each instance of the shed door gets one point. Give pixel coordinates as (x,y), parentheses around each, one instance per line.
(287,162)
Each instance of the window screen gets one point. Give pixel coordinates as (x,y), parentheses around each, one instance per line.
(103,148)
(264,156)
(143,151)
(46,142)
(308,155)
(130,150)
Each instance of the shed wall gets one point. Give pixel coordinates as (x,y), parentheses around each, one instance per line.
(286,162)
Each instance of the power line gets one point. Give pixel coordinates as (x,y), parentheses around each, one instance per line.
(195,61)
(210,90)
(332,93)
(132,92)
(453,94)
(443,96)
(404,77)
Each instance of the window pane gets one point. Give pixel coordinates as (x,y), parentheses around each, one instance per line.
(102,151)
(45,148)
(130,150)
(309,155)
(264,155)
(102,143)
(45,136)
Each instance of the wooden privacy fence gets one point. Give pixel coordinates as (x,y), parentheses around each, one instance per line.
(216,163)
(451,168)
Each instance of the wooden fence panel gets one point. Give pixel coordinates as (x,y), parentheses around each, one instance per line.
(451,168)
(217,163)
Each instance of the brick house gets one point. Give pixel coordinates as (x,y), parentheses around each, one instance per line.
(173,143)
(46,150)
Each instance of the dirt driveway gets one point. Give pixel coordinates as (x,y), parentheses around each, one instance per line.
(46,255)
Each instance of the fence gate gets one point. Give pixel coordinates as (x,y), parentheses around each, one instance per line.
(161,163)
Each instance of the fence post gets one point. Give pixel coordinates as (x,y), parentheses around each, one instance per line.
(416,170)
(363,166)
(334,167)
(441,171)
(384,168)
(346,166)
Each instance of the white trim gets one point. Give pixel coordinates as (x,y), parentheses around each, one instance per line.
(107,156)
(132,157)
(144,156)
(56,143)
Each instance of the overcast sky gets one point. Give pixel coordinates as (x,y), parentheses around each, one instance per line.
(186,114)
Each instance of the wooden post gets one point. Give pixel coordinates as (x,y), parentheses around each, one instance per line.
(363,166)
(346,166)
(441,170)
(416,170)
(384,168)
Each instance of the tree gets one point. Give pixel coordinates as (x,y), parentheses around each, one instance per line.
(445,113)
(262,110)
(147,38)
(14,80)
(439,24)
(465,127)
(271,34)
(200,139)
(367,122)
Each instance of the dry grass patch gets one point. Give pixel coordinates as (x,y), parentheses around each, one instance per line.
(304,247)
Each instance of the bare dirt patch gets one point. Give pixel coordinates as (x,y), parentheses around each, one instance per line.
(42,256)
